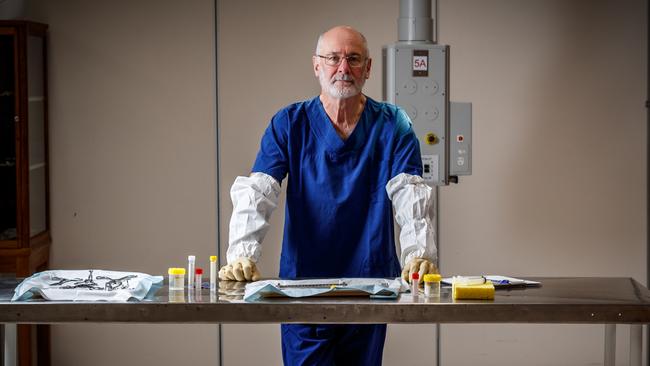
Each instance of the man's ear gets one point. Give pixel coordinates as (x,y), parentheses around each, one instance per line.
(316,65)
(368,67)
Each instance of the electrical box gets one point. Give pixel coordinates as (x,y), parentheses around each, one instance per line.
(416,78)
(460,158)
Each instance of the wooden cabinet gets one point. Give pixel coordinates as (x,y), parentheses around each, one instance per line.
(24,165)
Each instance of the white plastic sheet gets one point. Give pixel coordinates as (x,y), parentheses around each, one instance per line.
(87,285)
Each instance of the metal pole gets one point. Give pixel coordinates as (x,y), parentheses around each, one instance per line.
(2,342)
(610,345)
(218,170)
(434,38)
(437,238)
(10,343)
(436,25)
(636,344)
(415,23)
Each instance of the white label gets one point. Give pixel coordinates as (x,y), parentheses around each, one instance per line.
(420,63)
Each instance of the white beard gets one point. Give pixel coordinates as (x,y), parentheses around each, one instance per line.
(340,91)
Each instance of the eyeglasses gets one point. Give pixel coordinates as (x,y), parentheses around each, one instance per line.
(335,60)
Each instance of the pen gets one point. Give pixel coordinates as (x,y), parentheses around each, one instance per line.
(509,282)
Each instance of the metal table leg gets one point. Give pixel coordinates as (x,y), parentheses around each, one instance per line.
(610,344)
(10,340)
(636,348)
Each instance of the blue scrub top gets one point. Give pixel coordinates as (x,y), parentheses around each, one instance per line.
(338,220)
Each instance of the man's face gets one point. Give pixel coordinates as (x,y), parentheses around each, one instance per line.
(342,64)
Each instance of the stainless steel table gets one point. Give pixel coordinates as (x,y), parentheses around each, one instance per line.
(574,300)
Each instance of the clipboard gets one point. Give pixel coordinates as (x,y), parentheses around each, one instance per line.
(502,281)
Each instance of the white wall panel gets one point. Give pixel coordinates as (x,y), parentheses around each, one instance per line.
(133,160)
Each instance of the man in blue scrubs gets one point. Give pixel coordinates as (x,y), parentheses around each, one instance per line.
(350,164)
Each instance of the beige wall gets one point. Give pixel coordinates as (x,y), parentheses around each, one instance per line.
(558,90)
(559,159)
(133,159)
(559,179)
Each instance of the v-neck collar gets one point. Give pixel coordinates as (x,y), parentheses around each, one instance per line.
(328,132)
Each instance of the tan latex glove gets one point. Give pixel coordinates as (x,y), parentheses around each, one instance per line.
(242,269)
(421,265)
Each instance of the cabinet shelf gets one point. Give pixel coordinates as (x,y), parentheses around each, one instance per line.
(7,163)
(8,234)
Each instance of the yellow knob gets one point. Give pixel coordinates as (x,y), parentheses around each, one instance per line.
(431,139)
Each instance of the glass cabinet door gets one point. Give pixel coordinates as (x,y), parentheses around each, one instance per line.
(8,169)
(23,135)
(37,138)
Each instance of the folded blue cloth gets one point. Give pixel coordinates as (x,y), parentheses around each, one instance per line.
(374,287)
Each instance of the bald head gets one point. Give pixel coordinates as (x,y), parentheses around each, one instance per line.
(341,34)
(341,62)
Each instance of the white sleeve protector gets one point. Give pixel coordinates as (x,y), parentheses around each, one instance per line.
(412,203)
(253,199)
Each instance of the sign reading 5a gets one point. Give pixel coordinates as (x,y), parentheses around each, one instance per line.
(420,63)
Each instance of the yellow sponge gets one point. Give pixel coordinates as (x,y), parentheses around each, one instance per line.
(475,292)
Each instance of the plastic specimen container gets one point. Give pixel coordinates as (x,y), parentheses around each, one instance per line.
(432,285)
(176,278)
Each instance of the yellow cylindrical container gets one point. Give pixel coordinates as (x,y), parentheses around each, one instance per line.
(176,278)
(432,285)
